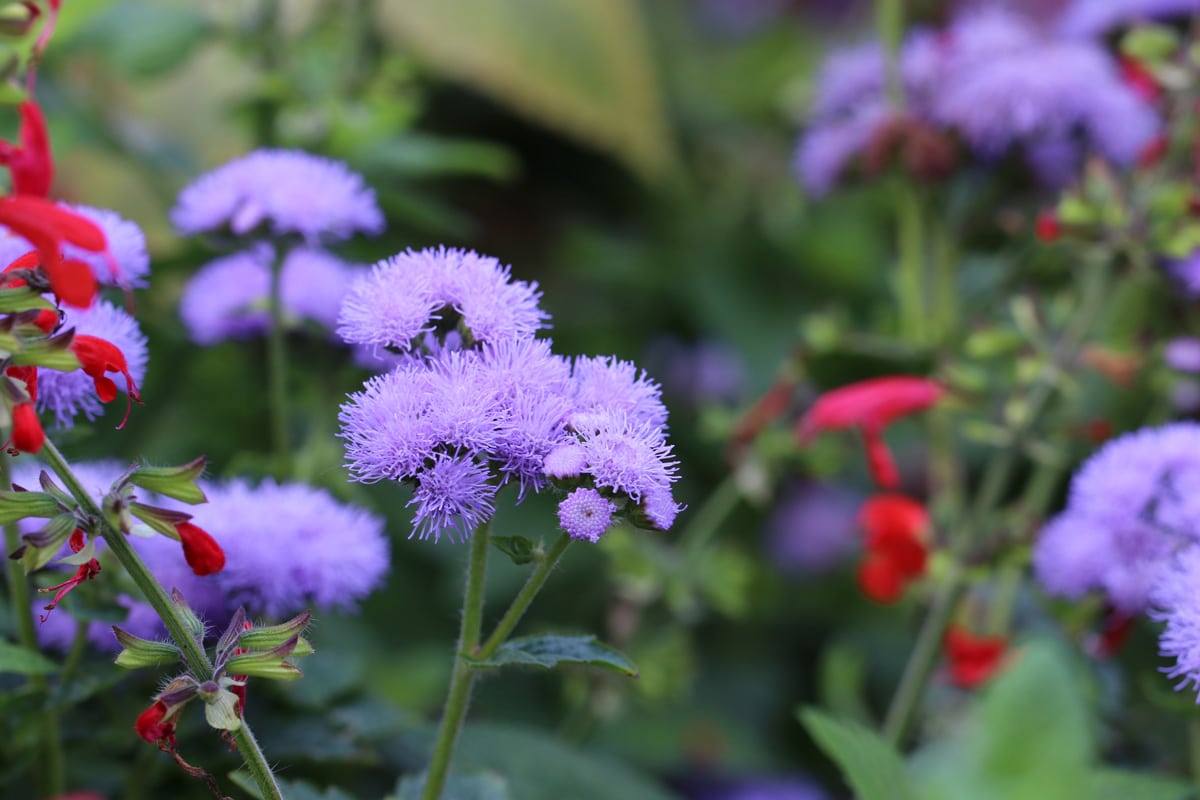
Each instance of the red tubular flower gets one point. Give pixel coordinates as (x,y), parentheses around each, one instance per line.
(85,573)
(151,726)
(879,580)
(98,356)
(896,528)
(871,406)
(1139,79)
(27,433)
(47,227)
(1047,227)
(29,376)
(973,659)
(30,163)
(200,550)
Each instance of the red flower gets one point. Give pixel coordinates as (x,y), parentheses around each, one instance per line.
(27,433)
(151,726)
(97,357)
(871,406)
(973,659)
(896,528)
(47,227)
(200,550)
(1140,79)
(1047,226)
(1153,152)
(85,573)
(30,163)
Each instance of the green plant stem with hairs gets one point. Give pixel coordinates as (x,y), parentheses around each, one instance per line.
(191,650)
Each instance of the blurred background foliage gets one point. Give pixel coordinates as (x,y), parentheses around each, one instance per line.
(634,159)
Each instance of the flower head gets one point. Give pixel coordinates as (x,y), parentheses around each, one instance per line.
(812,527)
(896,529)
(973,659)
(107,340)
(585,514)
(200,549)
(127,263)
(49,228)
(453,496)
(288,191)
(30,163)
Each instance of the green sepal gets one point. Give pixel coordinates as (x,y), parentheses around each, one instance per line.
(138,652)
(42,546)
(16,506)
(176,482)
(190,621)
(271,636)
(162,520)
(53,353)
(21,298)
(266,664)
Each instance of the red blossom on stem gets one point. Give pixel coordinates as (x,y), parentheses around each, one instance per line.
(48,227)
(1047,227)
(1140,80)
(151,726)
(973,659)
(85,573)
(96,358)
(27,433)
(30,163)
(200,550)
(870,406)
(896,529)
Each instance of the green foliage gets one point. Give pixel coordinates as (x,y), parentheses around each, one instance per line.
(481,786)
(518,548)
(146,39)
(549,652)
(872,767)
(18,660)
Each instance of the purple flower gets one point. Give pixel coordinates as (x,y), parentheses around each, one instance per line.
(627,456)
(1131,506)
(288,190)
(229,298)
(565,461)
(1088,18)
(585,514)
(69,394)
(413,293)
(1177,603)
(1186,271)
(704,373)
(606,385)
(755,788)
(812,527)
(454,495)
(1183,354)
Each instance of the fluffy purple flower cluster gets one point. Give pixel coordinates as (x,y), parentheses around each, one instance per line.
(289,191)
(228,298)
(997,81)
(476,401)
(1087,18)
(66,395)
(289,547)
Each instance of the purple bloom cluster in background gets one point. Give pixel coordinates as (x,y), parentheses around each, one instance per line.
(813,527)
(66,395)
(1086,18)
(289,547)
(289,191)
(475,402)
(228,298)
(993,78)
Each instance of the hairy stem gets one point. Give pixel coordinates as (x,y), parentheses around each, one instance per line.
(458,697)
(533,584)
(277,366)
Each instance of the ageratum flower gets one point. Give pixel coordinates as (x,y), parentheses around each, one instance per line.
(415,293)
(229,298)
(1177,603)
(286,191)
(1131,507)
(586,514)
(1088,18)
(66,395)
(812,527)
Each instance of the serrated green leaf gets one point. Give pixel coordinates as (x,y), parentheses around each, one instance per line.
(870,765)
(518,548)
(549,652)
(18,660)
(477,786)
(583,68)
(1115,784)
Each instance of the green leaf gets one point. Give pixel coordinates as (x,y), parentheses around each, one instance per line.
(870,765)
(1115,784)
(477,786)
(19,505)
(549,652)
(415,155)
(19,660)
(146,39)
(583,68)
(517,548)
(292,790)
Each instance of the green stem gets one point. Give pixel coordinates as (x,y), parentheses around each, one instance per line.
(1193,735)
(193,653)
(889,25)
(267,44)
(924,655)
(533,584)
(277,366)
(461,680)
(945,282)
(708,518)
(910,277)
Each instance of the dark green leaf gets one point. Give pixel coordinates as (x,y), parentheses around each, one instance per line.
(517,548)
(478,786)
(870,765)
(292,790)
(22,661)
(417,156)
(1115,784)
(548,652)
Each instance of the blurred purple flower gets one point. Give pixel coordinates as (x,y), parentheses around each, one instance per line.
(1131,506)
(408,295)
(1087,18)
(1183,354)
(69,394)
(1186,271)
(1177,603)
(813,527)
(701,374)
(288,190)
(756,788)
(228,298)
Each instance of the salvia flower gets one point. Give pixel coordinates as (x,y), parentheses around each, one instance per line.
(973,660)
(416,292)
(107,340)
(29,162)
(896,550)
(870,406)
(50,229)
(287,191)
(125,264)
(1131,507)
